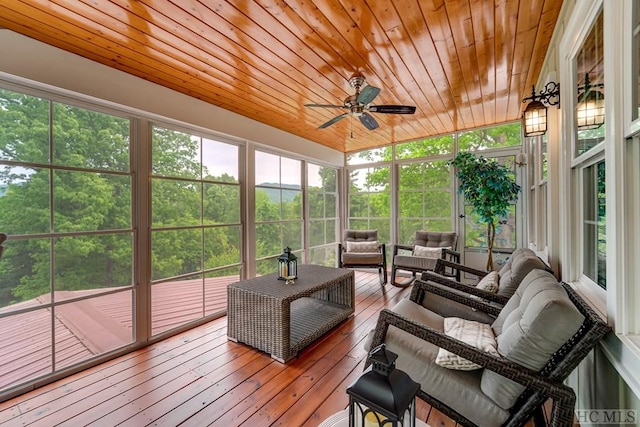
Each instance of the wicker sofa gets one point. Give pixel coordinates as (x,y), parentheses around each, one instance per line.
(542,334)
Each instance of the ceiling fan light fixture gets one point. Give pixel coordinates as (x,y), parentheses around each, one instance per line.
(359,105)
(357,81)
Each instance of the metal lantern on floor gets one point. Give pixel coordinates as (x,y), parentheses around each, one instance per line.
(287,265)
(383,395)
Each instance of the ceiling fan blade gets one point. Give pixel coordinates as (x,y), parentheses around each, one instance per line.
(392,109)
(368,121)
(324,105)
(367,94)
(332,121)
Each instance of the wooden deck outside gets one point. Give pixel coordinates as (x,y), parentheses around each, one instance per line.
(200,378)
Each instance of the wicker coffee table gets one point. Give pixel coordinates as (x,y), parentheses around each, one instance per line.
(282,319)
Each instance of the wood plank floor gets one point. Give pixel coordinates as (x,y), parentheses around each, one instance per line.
(199,378)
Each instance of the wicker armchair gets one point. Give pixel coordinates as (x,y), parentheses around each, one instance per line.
(519,264)
(509,389)
(410,260)
(361,249)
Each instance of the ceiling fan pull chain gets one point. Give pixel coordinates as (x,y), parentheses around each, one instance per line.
(351,123)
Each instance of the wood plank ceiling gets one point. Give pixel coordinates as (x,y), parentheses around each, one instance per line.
(462,63)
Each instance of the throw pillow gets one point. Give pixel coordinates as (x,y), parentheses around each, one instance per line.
(479,335)
(427,252)
(489,282)
(362,247)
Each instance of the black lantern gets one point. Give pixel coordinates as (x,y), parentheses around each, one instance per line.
(383,395)
(590,107)
(287,266)
(535,115)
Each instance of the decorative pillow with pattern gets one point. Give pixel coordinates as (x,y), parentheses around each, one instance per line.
(362,247)
(427,252)
(489,282)
(479,335)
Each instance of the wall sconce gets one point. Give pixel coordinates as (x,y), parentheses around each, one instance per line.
(534,117)
(521,159)
(590,107)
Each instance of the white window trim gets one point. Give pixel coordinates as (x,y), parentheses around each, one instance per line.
(623,181)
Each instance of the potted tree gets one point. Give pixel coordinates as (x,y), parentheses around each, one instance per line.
(489,188)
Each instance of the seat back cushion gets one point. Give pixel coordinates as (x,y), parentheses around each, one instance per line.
(428,252)
(435,239)
(360,236)
(363,247)
(519,265)
(514,255)
(533,325)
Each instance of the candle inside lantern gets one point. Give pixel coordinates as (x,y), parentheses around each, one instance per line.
(373,419)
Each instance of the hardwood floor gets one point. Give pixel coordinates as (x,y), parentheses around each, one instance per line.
(200,378)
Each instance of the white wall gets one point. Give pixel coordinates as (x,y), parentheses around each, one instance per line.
(29,59)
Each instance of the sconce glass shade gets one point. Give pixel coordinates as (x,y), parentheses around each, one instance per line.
(590,111)
(535,119)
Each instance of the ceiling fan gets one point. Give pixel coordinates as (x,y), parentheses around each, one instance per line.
(359,105)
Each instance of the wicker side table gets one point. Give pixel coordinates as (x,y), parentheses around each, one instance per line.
(281,319)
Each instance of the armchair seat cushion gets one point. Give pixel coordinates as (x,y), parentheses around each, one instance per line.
(418,359)
(417,262)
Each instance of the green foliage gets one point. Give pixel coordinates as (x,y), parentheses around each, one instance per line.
(425,147)
(489,188)
(72,174)
(507,135)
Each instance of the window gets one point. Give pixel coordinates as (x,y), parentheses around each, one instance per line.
(66,203)
(636,64)
(537,203)
(322,191)
(196,231)
(425,147)
(369,156)
(590,77)
(425,200)
(278,208)
(370,200)
(490,137)
(593,228)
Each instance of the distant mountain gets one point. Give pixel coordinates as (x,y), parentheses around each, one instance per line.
(274,193)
